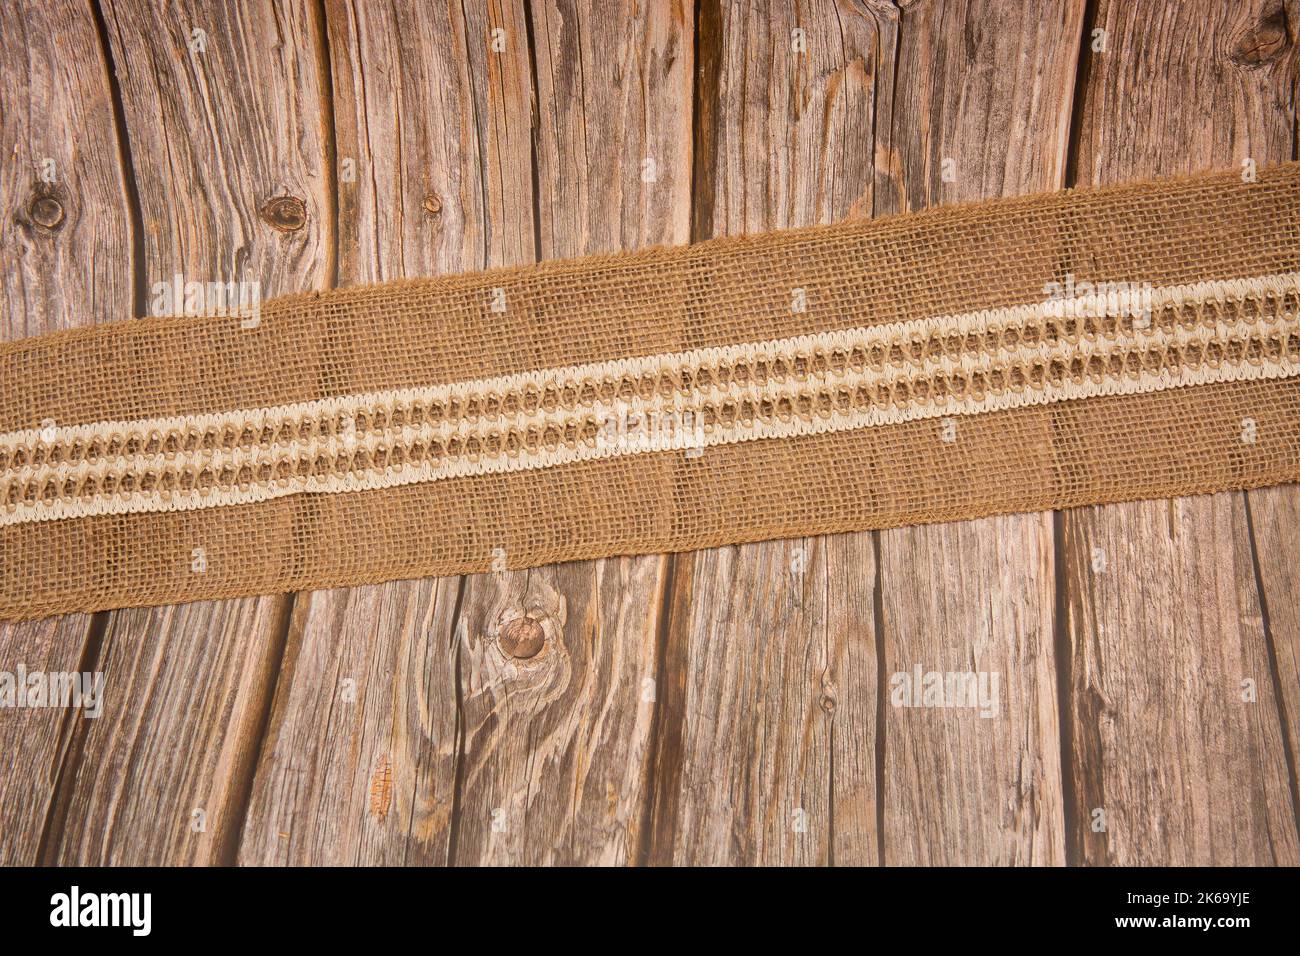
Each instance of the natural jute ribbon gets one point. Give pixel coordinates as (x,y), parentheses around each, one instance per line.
(1024,354)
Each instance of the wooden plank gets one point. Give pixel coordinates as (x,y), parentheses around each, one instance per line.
(359,762)
(556,745)
(434,161)
(1267,47)
(558,670)
(1274,517)
(223,114)
(972,785)
(65,249)
(768,733)
(980,108)
(777,675)
(1184,769)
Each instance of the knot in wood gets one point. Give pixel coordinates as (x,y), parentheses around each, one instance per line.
(285,213)
(522,638)
(1265,42)
(46,211)
(432,204)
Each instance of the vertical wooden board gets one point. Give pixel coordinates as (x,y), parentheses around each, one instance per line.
(772,644)
(980,108)
(556,745)
(1184,769)
(65,235)
(558,702)
(793,113)
(223,115)
(1182,88)
(65,241)
(1182,757)
(434,157)
(974,779)
(777,731)
(613,125)
(1276,533)
(160,776)
(1267,45)
(986,85)
(34,742)
(755,785)
(850,697)
(434,140)
(359,762)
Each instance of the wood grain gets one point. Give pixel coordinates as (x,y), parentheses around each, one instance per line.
(161,776)
(777,720)
(434,158)
(771,733)
(1185,770)
(65,237)
(1276,535)
(556,747)
(434,139)
(722,707)
(65,252)
(980,107)
(613,124)
(220,123)
(360,757)
(972,785)
(1265,43)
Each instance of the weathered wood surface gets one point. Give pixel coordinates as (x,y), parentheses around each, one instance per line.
(1172,760)
(871,84)
(729,706)
(433,170)
(547,753)
(1263,43)
(223,111)
(556,746)
(768,733)
(977,111)
(768,754)
(65,252)
(1275,527)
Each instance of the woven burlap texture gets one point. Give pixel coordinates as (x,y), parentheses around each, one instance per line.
(951,389)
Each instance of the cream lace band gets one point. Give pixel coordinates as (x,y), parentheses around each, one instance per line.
(1035,353)
(1120,343)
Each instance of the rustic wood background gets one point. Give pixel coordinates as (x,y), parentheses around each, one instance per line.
(726,706)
